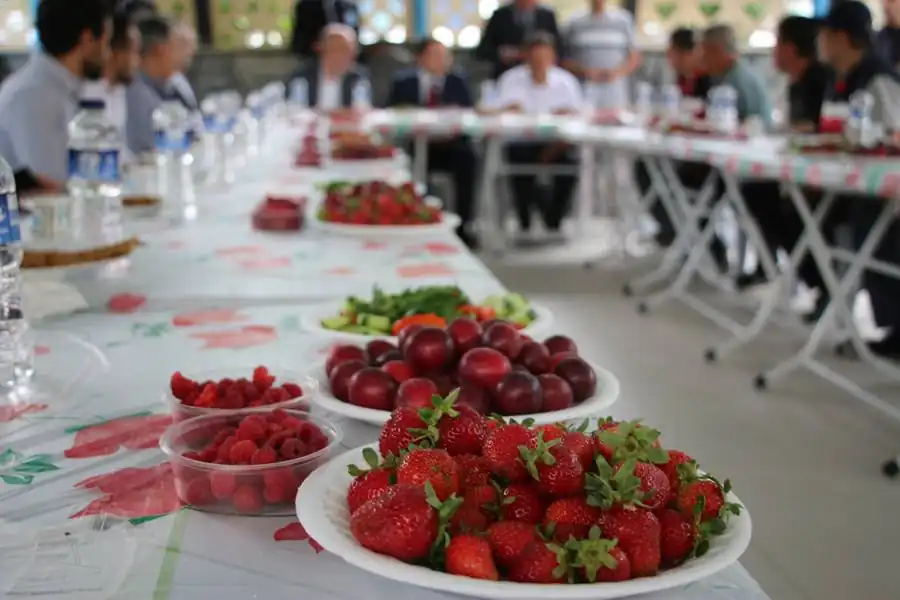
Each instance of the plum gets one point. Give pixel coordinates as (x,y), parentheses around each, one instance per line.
(518,394)
(340,378)
(429,350)
(580,377)
(483,367)
(557,394)
(504,338)
(373,388)
(343,353)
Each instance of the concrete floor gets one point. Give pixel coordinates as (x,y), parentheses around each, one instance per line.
(804,457)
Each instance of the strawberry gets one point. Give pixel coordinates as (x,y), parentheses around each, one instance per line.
(429,465)
(521,502)
(473,471)
(677,537)
(478,510)
(463,433)
(399,431)
(403,522)
(598,559)
(702,497)
(540,562)
(502,451)
(673,470)
(610,487)
(570,518)
(470,556)
(369,483)
(629,439)
(654,484)
(582,445)
(638,533)
(556,469)
(509,538)
(551,431)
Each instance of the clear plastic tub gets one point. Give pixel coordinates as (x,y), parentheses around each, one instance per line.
(268,489)
(180,411)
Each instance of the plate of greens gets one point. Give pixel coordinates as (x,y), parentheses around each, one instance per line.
(383,314)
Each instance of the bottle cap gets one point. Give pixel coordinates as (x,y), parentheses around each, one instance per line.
(92,104)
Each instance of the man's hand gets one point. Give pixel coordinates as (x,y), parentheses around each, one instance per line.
(510,54)
(601,75)
(565,112)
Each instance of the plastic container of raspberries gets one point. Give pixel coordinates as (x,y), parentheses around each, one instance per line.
(225,390)
(247,462)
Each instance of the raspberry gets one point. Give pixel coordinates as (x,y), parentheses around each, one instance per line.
(209,455)
(231,399)
(222,485)
(283,478)
(262,379)
(247,500)
(276,493)
(292,448)
(292,424)
(193,455)
(248,390)
(224,385)
(307,432)
(252,428)
(242,452)
(197,492)
(224,452)
(293,390)
(182,387)
(278,415)
(264,456)
(275,395)
(223,435)
(207,397)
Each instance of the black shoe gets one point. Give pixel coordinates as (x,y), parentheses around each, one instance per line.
(720,254)
(818,310)
(748,280)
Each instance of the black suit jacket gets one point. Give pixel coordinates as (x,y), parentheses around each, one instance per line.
(311,17)
(505,29)
(407,91)
(311,74)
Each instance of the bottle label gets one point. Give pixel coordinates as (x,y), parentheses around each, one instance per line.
(9,219)
(94,165)
(172,142)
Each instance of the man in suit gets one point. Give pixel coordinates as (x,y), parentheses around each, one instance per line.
(433,85)
(312,16)
(507,29)
(332,78)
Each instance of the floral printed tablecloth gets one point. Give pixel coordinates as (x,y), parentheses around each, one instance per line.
(455,122)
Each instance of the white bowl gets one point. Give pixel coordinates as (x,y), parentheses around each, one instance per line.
(313,316)
(322,509)
(607,388)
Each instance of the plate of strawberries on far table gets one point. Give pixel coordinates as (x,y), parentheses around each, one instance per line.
(454,501)
(380,207)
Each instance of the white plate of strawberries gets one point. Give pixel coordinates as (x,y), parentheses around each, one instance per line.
(455,502)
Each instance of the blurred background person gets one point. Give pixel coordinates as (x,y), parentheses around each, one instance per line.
(508,28)
(600,50)
(119,71)
(540,87)
(434,85)
(683,57)
(332,78)
(312,16)
(887,41)
(38,101)
(723,63)
(151,84)
(846,44)
(184,45)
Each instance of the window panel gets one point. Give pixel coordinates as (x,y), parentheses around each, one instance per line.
(389,20)
(16,28)
(254,24)
(179,10)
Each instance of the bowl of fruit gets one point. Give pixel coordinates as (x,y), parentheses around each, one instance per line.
(455,502)
(223,390)
(379,207)
(279,213)
(385,314)
(247,462)
(495,369)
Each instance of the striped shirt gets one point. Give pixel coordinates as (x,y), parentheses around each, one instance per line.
(602,41)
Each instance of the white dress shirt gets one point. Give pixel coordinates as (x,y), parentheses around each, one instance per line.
(329,94)
(427,82)
(561,91)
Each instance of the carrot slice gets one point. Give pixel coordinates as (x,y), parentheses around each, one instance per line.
(427,320)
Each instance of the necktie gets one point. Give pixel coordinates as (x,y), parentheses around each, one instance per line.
(434,96)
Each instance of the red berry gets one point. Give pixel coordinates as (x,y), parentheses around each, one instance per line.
(264,456)
(293,390)
(197,492)
(242,452)
(222,485)
(292,448)
(182,387)
(262,379)
(247,500)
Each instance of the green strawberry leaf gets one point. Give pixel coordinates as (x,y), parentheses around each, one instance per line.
(9,456)
(35,467)
(17,479)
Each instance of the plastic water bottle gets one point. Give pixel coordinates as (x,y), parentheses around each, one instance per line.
(860,130)
(643,101)
(256,122)
(362,95)
(299,98)
(16,349)
(175,159)
(670,101)
(217,120)
(94,174)
(722,113)
(488,99)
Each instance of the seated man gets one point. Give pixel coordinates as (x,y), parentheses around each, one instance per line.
(331,79)
(38,101)
(684,59)
(432,85)
(540,87)
(118,72)
(845,43)
(185,46)
(151,85)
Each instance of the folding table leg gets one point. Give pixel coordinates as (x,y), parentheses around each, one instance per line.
(487,198)
(839,310)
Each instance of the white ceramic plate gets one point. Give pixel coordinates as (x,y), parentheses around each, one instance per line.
(607,394)
(322,508)
(313,316)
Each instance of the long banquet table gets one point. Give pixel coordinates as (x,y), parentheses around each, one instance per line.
(76,523)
